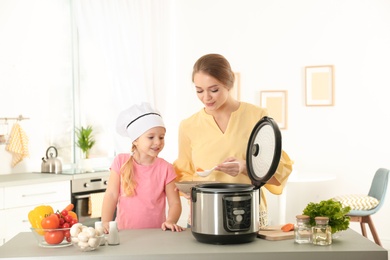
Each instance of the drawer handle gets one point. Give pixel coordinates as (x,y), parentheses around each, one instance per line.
(38,194)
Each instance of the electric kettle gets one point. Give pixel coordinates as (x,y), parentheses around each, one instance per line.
(51,164)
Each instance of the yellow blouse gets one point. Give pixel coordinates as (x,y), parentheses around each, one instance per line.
(203,145)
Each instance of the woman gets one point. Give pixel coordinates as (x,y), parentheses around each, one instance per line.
(220,132)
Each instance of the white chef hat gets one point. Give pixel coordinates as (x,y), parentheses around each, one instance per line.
(138,119)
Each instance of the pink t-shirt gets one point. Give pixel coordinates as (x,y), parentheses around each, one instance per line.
(147,208)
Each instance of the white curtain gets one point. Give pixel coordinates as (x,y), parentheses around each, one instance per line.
(124,57)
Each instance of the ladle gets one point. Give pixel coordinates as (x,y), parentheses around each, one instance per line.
(206,173)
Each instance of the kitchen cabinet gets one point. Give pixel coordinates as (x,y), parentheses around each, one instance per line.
(19,200)
(2,218)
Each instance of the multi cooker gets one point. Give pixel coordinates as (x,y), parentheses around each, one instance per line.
(228,213)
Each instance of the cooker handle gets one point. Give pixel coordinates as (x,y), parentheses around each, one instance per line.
(193,194)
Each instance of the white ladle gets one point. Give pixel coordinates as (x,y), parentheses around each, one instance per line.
(206,173)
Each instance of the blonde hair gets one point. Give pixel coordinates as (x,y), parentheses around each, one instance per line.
(127,176)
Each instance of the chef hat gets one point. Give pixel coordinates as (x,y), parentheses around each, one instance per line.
(138,119)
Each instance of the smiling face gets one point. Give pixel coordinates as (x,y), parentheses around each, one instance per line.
(150,143)
(212,93)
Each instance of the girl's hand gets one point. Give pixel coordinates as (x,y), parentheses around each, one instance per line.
(105,227)
(172,226)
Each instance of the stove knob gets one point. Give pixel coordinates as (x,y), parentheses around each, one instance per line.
(86,185)
(105,182)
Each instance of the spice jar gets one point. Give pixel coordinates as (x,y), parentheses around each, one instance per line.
(113,234)
(302,229)
(322,232)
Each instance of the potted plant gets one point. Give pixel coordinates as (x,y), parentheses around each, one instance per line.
(334,210)
(85,141)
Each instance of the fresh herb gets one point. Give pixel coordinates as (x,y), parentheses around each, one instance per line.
(337,214)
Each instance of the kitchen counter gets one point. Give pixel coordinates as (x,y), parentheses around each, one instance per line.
(16,179)
(157,244)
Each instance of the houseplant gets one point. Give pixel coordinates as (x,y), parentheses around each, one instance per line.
(337,214)
(85,141)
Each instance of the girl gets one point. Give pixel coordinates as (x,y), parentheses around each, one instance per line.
(140,181)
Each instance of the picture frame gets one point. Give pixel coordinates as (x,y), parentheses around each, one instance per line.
(319,85)
(275,101)
(235,91)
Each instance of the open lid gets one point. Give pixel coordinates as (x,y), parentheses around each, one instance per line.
(264,151)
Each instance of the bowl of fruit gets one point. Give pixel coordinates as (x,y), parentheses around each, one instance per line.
(86,238)
(52,229)
(56,237)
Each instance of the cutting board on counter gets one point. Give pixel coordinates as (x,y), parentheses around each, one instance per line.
(274,233)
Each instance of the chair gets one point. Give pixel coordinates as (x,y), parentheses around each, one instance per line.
(378,190)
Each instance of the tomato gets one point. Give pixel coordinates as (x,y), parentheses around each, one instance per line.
(64,213)
(74,221)
(51,221)
(66,225)
(54,237)
(67,233)
(68,218)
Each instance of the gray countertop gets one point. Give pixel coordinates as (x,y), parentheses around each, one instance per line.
(157,244)
(16,179)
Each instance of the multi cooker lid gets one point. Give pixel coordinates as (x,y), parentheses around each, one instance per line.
(263,151)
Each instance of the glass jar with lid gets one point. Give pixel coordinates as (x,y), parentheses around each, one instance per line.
(302,229)
(322,232)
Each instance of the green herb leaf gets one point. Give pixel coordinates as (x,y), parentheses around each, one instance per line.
(337,214)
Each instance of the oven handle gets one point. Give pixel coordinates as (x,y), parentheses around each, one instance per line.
(81,196)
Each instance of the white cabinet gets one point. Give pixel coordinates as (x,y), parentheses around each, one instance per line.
(2,218)
(20,200)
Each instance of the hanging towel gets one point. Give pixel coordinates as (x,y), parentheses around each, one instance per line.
(95,204)
(18,144)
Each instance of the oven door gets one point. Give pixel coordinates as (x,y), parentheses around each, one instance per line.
(87,206)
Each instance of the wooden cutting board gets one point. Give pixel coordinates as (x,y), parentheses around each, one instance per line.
(274,233)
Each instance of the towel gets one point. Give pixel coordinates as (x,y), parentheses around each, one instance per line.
(95,204)
(18,144)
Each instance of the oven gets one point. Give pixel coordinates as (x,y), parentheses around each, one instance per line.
(87,198)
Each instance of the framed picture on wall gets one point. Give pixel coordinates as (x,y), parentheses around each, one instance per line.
(319,85)
(236,87)
(275,101)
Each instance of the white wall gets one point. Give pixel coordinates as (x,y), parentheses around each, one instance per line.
(270,43)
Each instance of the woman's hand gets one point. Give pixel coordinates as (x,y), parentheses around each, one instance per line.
(172,226)
(233,169)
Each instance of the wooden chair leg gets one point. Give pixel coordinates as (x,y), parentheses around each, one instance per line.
(363,227)
(368,220)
